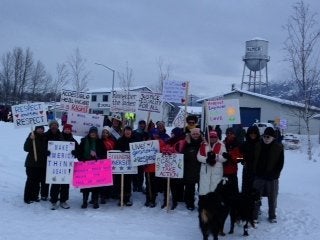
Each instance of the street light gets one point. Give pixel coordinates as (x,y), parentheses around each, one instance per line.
(113,71)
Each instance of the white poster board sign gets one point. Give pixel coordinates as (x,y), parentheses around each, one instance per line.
(174,91)
(82,122)
(29,114)
(60,162)
(121,163)
(73,101)
(179,120)
(223,112)
(150,102)
(169,165)
(144,152)
(124,101)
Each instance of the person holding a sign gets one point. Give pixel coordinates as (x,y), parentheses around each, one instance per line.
(91,148)
(123,144)
(210,155)
(63,189)
(35,168)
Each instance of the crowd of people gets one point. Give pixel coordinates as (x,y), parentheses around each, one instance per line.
(207,160)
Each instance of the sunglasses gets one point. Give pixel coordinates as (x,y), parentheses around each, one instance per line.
(191,122)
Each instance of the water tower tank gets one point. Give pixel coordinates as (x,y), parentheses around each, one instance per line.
(256,56)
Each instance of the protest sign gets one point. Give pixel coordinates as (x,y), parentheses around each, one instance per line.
(121,163)
(29,114)
(150,102)
(174,91)
(95,173)
(73,101)
(223,112)
(60,162)
(124,101)
(81,122)
(169,165)
(179,120)
(144,152)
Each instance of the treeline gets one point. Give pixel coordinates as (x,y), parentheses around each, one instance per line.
(24,78)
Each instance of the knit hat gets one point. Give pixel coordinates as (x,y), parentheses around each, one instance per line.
(53,122)
(269,131)
(93,129)
(67,126)
(37,127)
(107,128)
(213,134)
(142,122)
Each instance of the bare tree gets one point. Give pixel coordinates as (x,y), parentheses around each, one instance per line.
(6,77)
(38,81)
(164,73)
(78,74)
(302,47)
(126,78)
(61,79)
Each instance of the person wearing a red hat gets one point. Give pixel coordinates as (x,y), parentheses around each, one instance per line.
(211,159)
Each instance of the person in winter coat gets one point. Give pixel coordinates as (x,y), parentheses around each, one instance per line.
(63,189)
(35,169)
(248,148)
(91,148)
(109,144)
(191,175)
(176,184)
(160,131)
(219,131)
(123,144)
(116,126)
(267,166)
(211,158)
(192,122)
(53,134)
(234,156)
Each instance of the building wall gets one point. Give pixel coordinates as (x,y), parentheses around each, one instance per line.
(271,110)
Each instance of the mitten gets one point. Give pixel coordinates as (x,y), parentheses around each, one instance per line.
(48,153)
(73,152)
(211,158)
(226,155)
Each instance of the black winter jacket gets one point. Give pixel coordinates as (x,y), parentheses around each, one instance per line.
(41,148)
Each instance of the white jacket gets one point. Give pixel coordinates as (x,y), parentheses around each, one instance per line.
(210,176)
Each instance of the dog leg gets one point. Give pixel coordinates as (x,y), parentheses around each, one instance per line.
(245,229)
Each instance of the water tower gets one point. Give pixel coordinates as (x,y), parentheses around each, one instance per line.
(255,60)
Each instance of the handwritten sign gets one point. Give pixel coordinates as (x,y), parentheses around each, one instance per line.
(150,102)
(92,173)
(121,163)
(82,122)
(144,152)
(174,91)
(60,162)
(169,165)
(223,112)
(73,101)
(30,114)
(125,101)
(179,120)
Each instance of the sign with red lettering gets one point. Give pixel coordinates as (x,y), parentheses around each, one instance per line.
(223,112)
(169,165)
(29,114)
(73,101)
(92,173)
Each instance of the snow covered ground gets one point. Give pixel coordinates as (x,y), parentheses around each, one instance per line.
(298,206)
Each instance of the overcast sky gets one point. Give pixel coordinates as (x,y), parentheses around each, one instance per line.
(202,40)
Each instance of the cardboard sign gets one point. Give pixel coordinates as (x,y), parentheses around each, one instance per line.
(150,102)
(73,101)
(169,165)
(60,162)
(93,173)
(179,120)
(144,152)
(121,163)
(82,122)
(174,91)
(29,114)
(223,112)
(125,101)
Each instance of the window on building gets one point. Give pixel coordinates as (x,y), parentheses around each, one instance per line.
(93,98)
(105,98)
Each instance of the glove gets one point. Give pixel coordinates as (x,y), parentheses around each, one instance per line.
(211,158)
(48,153)
(73,152)
(226,155)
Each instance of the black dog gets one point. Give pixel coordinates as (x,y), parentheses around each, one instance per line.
(213,211)
(241,209)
